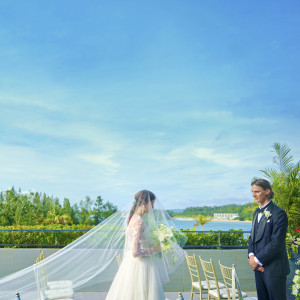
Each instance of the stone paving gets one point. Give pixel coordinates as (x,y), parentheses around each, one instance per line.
(169,296)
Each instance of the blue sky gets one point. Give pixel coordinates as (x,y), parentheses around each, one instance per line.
(184,98)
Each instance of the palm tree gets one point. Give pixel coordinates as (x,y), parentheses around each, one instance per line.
(285,181)
(55,215)
(201,220)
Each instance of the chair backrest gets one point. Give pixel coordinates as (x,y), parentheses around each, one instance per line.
(231,282)
(40,273)
(210,275)
(193,268)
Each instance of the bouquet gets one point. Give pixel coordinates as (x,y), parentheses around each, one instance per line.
(166,238)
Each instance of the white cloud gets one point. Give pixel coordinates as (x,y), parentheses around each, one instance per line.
(104,160)
(211,155)
(33,101)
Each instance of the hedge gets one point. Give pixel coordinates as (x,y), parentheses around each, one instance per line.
(230,239)
(41,237)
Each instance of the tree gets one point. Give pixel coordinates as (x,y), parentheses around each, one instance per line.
(285,183)
(103,210)
(98,210)
(108,209)
(75,214)
(201,220)
(86,212)
(56,215)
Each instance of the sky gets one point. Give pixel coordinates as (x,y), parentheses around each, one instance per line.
(184,98)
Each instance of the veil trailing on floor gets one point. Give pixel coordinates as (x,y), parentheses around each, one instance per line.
(92,261)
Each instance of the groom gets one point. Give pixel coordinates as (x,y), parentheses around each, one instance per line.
(267,248)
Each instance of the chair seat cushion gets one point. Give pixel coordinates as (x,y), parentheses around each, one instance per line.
(223,293)
(60,284)
(59,293)
(212,284)
(250,298)
(196,284)
(204,285)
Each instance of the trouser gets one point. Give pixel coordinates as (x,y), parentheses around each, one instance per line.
(270,287)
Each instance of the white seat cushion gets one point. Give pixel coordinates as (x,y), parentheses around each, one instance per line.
(250,298)
(223,293)
(59,293)
(196,284)
(212,284)
(204,286)
(60,284)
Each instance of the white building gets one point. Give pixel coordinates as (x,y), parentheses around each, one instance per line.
(226,216)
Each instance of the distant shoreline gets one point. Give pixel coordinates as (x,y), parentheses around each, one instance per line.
(214,220)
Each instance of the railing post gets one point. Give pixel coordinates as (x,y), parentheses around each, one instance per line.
(13,237)
(219,238)
(55,237)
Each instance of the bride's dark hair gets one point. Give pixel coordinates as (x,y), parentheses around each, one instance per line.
(139,198)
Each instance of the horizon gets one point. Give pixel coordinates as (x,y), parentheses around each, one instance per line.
(183,99)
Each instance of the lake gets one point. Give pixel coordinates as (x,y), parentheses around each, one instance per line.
(212,225)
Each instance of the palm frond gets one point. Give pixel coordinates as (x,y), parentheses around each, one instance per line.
(283,159)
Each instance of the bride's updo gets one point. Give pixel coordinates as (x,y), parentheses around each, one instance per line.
(143,196)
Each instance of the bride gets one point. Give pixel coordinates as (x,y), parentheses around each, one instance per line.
(145,237)
(138,276)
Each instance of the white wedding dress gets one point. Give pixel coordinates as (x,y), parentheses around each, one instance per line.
(138,277)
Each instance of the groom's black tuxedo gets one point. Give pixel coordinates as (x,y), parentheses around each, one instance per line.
(267,242)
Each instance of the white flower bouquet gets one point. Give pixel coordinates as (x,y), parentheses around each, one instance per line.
(166,238)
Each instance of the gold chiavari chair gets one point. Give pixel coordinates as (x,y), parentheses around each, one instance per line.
(198,287)
(62,289)
(232,285)
(214,287)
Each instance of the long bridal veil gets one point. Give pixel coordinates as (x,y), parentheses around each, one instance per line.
(92,261)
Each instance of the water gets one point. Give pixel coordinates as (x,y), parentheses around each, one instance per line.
(214,226)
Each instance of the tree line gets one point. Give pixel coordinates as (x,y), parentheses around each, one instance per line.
(17,208)
(245,211)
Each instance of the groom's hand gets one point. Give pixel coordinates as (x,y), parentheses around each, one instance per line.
(253,264)
(260,269)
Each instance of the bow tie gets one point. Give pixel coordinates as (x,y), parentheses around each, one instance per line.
(260,210)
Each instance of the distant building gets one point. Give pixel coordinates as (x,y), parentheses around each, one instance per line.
(226,216)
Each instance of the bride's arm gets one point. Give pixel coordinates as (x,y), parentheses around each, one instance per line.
(137,250)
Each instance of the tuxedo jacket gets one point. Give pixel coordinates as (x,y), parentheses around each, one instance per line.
(268,242)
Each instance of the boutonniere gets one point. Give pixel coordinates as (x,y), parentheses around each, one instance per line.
(267,214)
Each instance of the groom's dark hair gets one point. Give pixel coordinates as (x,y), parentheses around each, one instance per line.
(264,184)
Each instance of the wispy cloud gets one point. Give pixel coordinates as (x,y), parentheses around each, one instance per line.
(105,160)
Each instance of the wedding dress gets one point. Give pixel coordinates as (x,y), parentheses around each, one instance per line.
(138,276)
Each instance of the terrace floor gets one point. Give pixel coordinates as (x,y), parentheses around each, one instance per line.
(170,296)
